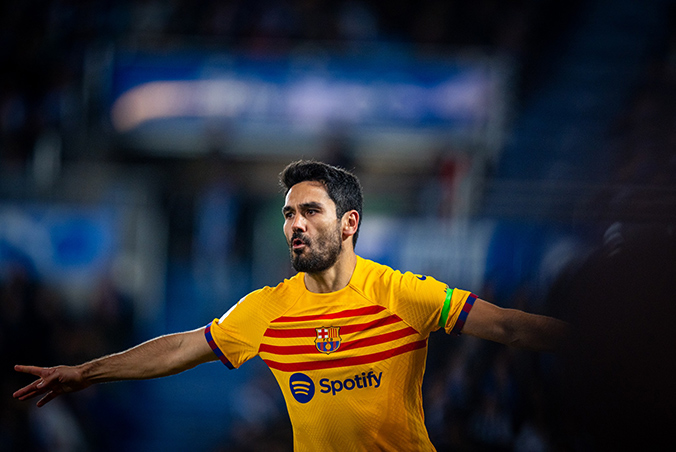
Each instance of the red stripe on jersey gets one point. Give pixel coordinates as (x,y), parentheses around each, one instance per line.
(346,362)
(368,310)
(287,349)
(380,339)
(311,349)
(344,329)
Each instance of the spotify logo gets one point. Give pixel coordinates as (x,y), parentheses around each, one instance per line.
(302,387)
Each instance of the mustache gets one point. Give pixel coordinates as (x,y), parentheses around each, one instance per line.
(300,236)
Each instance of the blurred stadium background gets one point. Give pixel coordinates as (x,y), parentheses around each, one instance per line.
(524,150)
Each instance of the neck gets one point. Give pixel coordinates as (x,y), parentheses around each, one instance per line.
(334,278)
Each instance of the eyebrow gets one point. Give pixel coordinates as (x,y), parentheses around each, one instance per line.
(304,206)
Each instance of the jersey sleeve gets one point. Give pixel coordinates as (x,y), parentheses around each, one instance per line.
(236,336)
(457,305)
(429,304)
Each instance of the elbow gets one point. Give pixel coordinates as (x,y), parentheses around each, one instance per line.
(510,335)
(523,331)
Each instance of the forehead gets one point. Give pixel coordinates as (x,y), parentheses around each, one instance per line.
(307,192)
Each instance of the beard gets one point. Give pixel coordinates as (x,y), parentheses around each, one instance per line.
(319,254)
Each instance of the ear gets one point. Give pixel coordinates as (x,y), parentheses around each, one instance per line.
(349,224)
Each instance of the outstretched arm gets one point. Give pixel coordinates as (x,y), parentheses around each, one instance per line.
(159,357)
(516,328)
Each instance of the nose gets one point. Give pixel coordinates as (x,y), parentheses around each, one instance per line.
(298,223)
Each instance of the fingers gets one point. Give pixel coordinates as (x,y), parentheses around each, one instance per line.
(33,370)
(25,393)
(39,386)
(52,382)
(51,395)
(31,390)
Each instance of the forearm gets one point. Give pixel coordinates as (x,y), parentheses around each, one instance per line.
(516,328)
(159,357)
(535,332)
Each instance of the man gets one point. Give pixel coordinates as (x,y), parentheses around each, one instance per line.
(346,338)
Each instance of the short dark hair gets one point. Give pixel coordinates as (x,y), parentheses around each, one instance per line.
(342,186)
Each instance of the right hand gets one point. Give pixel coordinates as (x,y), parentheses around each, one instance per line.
(52,381)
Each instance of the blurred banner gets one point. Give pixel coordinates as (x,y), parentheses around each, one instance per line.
(75,248)
(191,101)
(58,242)
(490,257)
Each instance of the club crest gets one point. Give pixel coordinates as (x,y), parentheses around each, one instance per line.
(328,339)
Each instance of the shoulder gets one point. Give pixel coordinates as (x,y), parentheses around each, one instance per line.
(379,282)
(416,299)
(367,269)
(268,302)
(370,273)
(286,288)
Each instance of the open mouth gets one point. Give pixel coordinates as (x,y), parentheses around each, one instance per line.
(298,243)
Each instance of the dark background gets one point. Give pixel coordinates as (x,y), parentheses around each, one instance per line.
(564,205)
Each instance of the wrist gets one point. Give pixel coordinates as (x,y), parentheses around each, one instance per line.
(88,373)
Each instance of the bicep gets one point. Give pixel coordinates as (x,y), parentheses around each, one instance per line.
(194,348)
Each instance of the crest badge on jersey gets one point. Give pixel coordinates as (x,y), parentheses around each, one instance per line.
(328,339)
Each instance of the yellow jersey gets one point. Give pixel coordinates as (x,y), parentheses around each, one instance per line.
(350,363)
